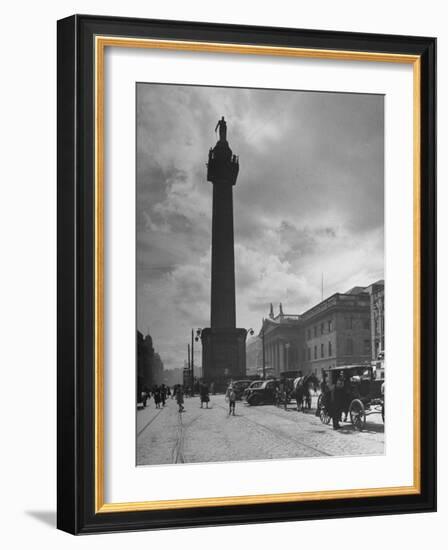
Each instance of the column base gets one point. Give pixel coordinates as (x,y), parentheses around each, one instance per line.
(223,356)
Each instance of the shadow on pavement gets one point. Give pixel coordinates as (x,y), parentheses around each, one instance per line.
(370,428)
(48,517)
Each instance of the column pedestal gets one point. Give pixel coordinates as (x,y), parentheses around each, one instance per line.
(224,354)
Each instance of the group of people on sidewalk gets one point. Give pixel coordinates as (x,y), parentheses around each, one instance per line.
(160,394)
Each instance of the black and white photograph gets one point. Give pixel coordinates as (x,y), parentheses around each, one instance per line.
(260,274)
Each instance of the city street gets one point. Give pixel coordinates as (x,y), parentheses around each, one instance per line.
(209,435)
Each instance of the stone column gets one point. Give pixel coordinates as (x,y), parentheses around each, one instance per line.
(223,345)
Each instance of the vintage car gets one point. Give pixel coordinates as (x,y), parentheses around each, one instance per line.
(261,392)
(239,387)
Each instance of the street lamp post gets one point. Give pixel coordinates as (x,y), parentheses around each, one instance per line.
(263,349)
(192,363)
(185,379)
(197,337)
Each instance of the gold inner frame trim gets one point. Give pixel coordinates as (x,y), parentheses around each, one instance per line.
(101,42)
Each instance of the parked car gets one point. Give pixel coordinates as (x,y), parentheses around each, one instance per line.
(239,386)
(261,392)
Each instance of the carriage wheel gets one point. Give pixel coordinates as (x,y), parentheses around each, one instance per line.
(324,416)
(357,414)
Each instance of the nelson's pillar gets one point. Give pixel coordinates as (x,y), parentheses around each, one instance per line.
(223,345)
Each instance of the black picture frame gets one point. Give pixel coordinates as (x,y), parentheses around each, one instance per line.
(76,286)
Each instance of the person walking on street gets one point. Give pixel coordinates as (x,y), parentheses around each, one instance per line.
(231,397)
(180,398)
(204,394)
(163,394)
(156,395)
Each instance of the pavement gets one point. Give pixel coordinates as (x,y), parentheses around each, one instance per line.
(165,436)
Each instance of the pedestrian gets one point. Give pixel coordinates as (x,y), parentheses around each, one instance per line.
(163,394)
(180,398)
(156,395)
(204,394)
(337,400)
(277,394)
(231,397)
(145,397)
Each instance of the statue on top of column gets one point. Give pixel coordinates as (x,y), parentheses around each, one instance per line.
(222,126)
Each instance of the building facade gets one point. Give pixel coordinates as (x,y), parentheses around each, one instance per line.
(282,340)
(344,329)
(149,364)
(376,292)
(337,332)
(254,356)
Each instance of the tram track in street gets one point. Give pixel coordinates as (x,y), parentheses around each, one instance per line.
(139,433)
(281,436)
(178,449)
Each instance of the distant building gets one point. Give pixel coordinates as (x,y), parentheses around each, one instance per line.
(283,340)
(145,354)
(157,369)
(344,329)
(254,356)
(149,364)
(173,376)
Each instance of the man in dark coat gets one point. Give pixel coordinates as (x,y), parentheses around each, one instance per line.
(338,398)
(204,394)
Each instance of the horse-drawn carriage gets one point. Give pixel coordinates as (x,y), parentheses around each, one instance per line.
(361,394)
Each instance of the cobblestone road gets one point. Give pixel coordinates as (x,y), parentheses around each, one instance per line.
(209,435)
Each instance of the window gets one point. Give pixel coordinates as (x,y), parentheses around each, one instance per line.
(315,332)
(321,350)
(330,325)
(315,352)
(309,334)
(321,328)
(349,346)
(309,354)
(366,324)
(329,349)
(348,322)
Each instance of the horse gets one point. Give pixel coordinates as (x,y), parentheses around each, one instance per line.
(302,392)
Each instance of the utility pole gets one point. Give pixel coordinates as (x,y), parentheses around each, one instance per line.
(192,362)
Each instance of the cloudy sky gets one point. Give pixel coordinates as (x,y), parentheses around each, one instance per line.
(309,200)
